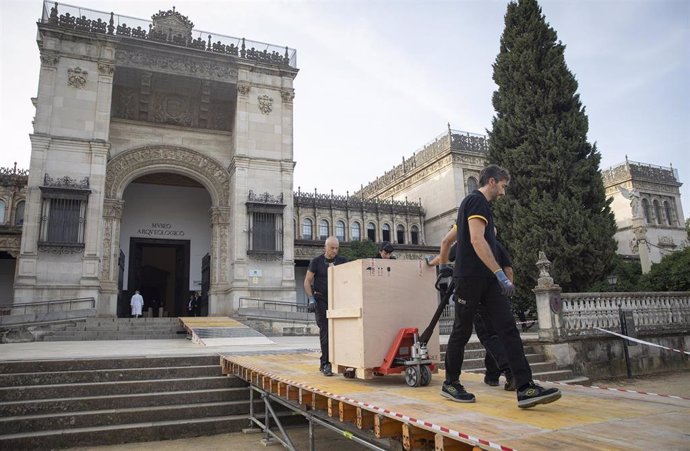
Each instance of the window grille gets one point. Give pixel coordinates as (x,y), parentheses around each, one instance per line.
(323,229)
(63,214)
(657,212)
(265,232)
(371,231)
(414,235)
(2,212)
(400,234)
(307,229)
(471,184)
(645,210)
(669,213)
(356,231)
(386,231)
(340,230)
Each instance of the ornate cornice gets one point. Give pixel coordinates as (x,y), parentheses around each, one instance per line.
(176,64)
(106,69)
(287,96)
(112,208)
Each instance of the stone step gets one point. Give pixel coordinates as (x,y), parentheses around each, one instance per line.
(114,337)
(478,353)
(122,401)
(478,363)
(93,418)
(21,366)
(108,375)
(37,392)
(124,433)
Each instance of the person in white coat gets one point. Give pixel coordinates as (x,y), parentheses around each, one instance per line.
(137,304)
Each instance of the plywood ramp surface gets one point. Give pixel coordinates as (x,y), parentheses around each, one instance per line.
(221,331)
(584,418)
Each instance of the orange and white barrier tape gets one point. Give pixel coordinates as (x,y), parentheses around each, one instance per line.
(682,351)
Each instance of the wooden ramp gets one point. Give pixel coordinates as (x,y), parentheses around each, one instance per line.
(221,331)
(585,418)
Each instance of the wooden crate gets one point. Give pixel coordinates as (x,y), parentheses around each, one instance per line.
(369,300)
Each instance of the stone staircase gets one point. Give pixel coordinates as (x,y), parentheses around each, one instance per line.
(542,369)
(65,403)
(117,329)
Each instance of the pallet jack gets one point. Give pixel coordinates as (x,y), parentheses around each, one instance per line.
(409,353)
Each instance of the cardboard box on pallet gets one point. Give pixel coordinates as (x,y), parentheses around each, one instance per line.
(369,301)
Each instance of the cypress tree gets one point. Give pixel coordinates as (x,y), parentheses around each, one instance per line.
(555,201)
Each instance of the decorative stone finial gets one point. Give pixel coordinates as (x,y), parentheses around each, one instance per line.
(545,280)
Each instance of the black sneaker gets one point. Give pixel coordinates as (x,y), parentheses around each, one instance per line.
(456,392)
(533,394)
(510,383)
(490,381)
(327,370)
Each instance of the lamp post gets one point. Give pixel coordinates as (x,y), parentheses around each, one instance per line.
(612,279)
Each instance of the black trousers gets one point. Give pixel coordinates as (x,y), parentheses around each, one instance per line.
(476,291)
(495,360)
(322,322)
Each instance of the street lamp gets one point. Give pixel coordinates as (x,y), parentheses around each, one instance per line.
(612,279)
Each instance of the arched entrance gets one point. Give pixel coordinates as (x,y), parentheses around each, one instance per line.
(157,251)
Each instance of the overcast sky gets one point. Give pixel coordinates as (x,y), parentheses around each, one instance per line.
(379,79)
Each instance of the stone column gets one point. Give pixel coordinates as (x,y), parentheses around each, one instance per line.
(549,303)
(220,236)
(112,215)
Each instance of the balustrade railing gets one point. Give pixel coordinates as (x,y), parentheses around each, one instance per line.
(581,313)
(92,21)
(276,306)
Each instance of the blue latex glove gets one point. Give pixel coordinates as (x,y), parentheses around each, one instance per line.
(445,270)
(311,306)
(507,287)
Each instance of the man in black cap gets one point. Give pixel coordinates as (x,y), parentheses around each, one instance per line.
(385,250)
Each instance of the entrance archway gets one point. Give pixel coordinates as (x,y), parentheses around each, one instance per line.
(133,164)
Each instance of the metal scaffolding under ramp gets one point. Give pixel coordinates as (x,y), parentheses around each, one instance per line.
(221,330)
(418,418)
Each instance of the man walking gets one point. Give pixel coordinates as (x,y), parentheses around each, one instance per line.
(316,289)
(479,279)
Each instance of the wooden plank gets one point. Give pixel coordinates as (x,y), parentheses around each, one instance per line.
(355,312)
(365,419)
(305,398)
(333,407)
(443,443)
(415,438)
(385,427)
(584,418)
(347,413)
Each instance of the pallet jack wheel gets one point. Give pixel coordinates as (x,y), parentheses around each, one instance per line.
(426,376)
(413,376)
(349,373)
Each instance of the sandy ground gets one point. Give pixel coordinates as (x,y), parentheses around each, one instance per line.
(677,383)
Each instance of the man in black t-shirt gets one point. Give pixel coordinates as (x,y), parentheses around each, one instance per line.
(316,289)
(479,279)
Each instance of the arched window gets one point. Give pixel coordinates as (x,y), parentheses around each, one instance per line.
(669,214)
(371,231)
(323,229)
(340,230)
(307,230)
(414,234)
(400,234)
(471,184)
(645,210)
(386,232)
(657,211)
(2,212)
(19,214)
(356,231)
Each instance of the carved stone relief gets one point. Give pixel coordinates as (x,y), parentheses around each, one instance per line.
(265,104)
(176,64)
(172,109)
(106,69)
(76,77)
(243,88)
(287,96)
(123,165)
(49,59)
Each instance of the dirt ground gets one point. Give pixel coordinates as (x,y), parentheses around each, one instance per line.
(676,383)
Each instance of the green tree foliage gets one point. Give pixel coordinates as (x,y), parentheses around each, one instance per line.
(358,249)
(672,273)
(687,227)
(556,200)
(627,272)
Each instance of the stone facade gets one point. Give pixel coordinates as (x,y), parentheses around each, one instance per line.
(118,104)
(439,176)
(12,204)
(648,210)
